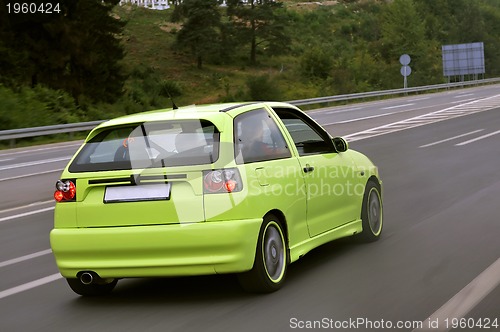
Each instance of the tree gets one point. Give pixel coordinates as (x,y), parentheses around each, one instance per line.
(463,21)
(258,24)
(316,62)
(77,49)
(403,31)
(177,12)
(200,32)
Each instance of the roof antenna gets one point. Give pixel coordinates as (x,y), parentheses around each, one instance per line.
(174,106)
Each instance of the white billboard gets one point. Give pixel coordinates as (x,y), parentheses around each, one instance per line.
(463,59)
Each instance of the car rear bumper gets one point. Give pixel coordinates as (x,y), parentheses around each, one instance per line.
(156,251)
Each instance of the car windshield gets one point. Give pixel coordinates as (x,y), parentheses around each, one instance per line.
(150,144)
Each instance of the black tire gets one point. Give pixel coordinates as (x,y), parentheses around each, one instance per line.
(91,290)
(372,213)
(271,259)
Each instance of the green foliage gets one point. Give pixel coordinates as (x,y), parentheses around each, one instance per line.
(170,89)
(263,88)
(146,89)
(76,50)
(88,65)
(316,62)
(261,24)
(200,31)
(40,106)
(403,31)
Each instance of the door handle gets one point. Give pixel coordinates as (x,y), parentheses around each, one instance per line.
(308,168)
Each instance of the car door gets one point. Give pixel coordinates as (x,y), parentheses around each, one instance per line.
(274,176)
(330,176)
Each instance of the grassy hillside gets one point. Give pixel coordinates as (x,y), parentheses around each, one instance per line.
(149,41)
(335,47)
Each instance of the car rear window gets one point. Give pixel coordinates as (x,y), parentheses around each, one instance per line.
(150,144)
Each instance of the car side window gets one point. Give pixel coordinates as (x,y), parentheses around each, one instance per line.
(307,138)
(258,138)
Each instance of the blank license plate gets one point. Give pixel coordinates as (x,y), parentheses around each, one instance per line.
(145,192)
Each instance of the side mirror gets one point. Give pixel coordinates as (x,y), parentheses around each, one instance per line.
(340,144)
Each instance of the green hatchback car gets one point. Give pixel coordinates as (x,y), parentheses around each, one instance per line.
(244,188)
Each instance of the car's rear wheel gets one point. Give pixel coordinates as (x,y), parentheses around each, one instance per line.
(271,258)
(372,213)
(96,289)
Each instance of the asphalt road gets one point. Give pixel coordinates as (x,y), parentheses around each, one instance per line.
(439,252)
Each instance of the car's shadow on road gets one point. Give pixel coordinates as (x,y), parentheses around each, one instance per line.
(217,288)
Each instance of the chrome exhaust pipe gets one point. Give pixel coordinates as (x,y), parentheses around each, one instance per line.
(86,278)
(90,277)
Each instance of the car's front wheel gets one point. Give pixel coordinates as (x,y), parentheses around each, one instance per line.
(372,213)
(271,258)
(95,289)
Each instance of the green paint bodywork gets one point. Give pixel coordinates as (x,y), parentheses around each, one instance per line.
(194,233)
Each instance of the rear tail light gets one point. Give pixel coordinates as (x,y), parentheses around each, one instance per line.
(65,190)
(222,181)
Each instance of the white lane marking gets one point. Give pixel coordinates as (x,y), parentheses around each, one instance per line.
(33,163)
(464,95)
(329,110)
(461,101)
(450,139)
(31,174)
(360,119)
(478,138)
(26,214)
(320,112)
(370,105)
(343,110)
(31,151)
(485,104)
(25,258)
(397,106)
(26,206)
(8,159)
(30,285)
(375,116)
(465,300)
(419,99)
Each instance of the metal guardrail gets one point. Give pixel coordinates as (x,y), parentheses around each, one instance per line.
(14,134)
(371,94)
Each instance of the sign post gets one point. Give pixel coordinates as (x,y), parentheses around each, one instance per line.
(405,70)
